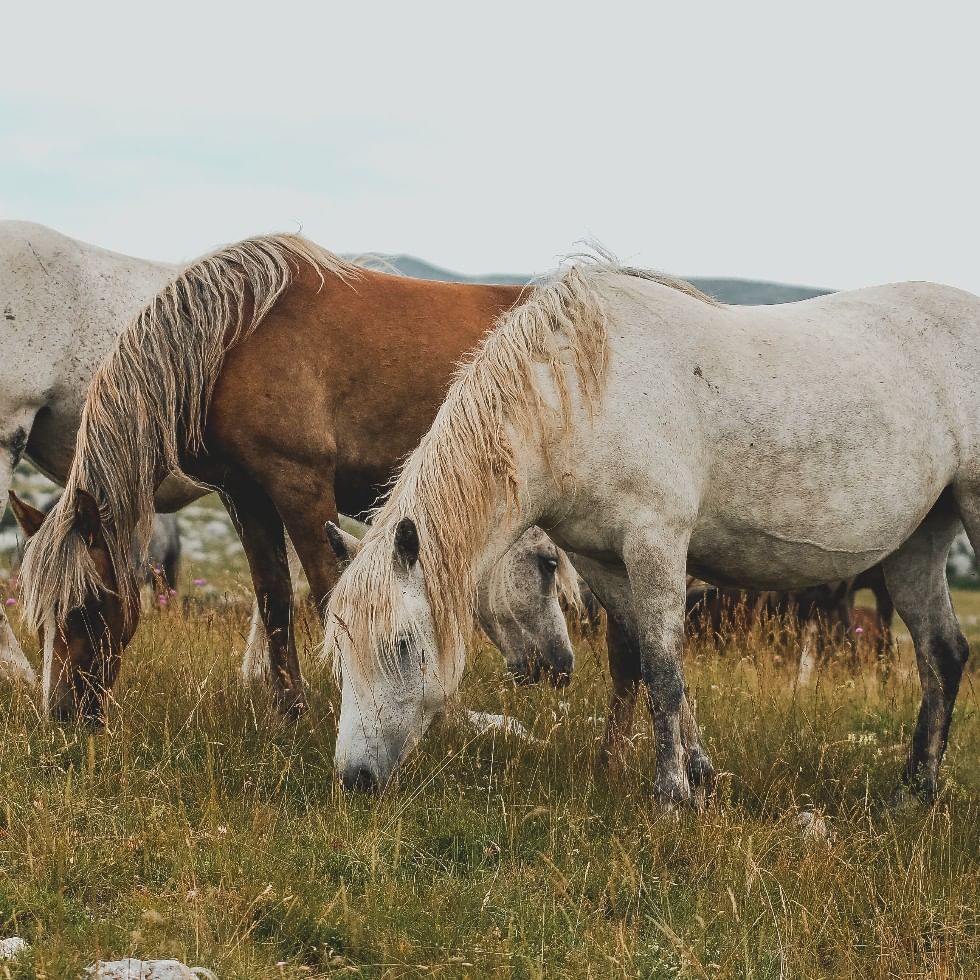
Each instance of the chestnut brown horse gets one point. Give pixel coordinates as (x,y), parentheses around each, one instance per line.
(290,423)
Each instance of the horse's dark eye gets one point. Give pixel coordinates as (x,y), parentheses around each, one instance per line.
(548,563)
(409,656)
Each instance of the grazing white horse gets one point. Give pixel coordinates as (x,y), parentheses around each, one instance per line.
(63,303)
(653,431)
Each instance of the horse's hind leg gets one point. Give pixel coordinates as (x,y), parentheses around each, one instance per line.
(264,541)
(13,440)
(916,579)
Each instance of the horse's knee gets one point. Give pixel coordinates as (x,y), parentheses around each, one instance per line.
(665,683)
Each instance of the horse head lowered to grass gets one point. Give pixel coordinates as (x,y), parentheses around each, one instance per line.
(204,383)
(653,432)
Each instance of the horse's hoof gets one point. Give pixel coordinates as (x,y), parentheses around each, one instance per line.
(292,706)
(701,773)
(296,710)
(908,798)
(676,795)
(613,757)
(609,765)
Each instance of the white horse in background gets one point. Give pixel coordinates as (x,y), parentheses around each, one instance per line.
(654,431)
(63,304)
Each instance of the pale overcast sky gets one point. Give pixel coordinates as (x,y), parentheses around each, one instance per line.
(833,144)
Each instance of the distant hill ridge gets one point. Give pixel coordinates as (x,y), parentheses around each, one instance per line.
(739,292)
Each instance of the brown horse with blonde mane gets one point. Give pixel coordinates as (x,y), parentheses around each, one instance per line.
(290,423)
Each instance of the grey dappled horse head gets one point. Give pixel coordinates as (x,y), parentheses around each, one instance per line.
(517,607)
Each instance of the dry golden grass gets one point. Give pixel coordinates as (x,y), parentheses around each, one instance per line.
(202,827)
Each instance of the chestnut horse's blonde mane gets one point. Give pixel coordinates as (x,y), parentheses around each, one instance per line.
(450,484)
(147,406)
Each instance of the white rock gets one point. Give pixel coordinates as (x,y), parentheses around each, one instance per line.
(484,722)
(12,947)
(146,970)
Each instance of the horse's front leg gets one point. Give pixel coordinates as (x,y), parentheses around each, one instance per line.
(626,675)
(263,538)
(656,567)
(256,660)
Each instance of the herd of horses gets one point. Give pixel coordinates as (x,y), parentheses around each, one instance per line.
(651,431)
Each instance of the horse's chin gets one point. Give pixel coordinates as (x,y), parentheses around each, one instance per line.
(555,670)
(68,706)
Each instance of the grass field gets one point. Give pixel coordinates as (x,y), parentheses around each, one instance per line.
(202,827)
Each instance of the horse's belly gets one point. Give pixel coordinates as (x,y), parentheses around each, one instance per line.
(816,503)
(763,561)
(808,546)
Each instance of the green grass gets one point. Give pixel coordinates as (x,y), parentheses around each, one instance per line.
(202,827)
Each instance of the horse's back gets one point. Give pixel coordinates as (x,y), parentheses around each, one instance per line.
(372,357)
(827,427)
(62,303)
(49,273)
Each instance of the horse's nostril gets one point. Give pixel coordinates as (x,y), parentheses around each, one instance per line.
(360,779)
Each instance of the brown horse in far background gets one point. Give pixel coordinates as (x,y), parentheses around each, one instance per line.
(715,611)
(823,611)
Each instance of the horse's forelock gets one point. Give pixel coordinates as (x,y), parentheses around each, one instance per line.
(361,617)
(58,572)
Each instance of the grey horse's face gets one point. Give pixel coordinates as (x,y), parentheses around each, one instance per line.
(384,712)
(519,611)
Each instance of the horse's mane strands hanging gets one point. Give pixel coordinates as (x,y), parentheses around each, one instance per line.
(449,485)
(148,404)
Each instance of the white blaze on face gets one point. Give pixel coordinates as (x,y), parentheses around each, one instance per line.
(384,713)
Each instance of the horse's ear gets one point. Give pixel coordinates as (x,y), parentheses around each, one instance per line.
(344,545)
(407,542)
(88,523)
(29,518)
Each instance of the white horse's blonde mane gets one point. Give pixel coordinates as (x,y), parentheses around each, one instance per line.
(566,579)
(148,404)
(449,485)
